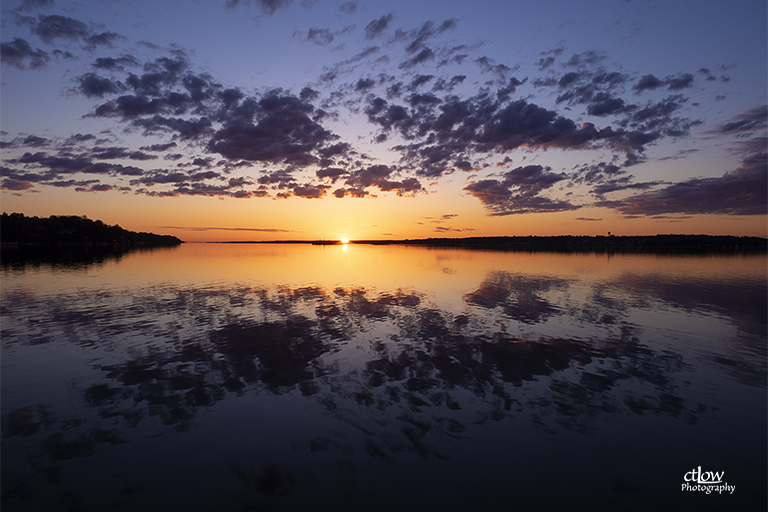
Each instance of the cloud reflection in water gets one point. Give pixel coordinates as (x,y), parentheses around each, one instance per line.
(404,374)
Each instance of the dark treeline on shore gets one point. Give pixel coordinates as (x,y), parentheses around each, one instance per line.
(600,243)
(19,231)
(576,243)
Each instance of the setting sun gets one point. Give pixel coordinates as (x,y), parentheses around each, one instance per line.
(345,240)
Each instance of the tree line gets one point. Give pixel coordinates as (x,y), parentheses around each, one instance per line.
(18,229)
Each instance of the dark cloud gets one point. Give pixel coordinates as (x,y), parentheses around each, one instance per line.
(30,141)
(623,183)
(322,36)
(93,86)
(548,58)
(708,76)
(441,84)
(378,26)
(754,119)
(100,187)
(521,123)
(184,128)
(743,191)
(104,39)
(203,162)
(585,59)
(19,54)
(268,7)
(647,82)
(31,5)
(545,62)
(15,185)
(159,147)
(416,40)
(338,149)
(202,189)
(681,81)
(487,66)
(419,80)
(49,28)
(446,229)
(364,84)
(310,191)
(208,228)
(206,175)
(119,152)
(278,129)
(348,7)
(673,83)
(377,176)
(423,56)
(79,137)
(110,63)
(603,105)
(281,179)
(332,173)
(519,191)
(447,130)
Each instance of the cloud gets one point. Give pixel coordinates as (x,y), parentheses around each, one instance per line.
(93,86)
(377,176)
(268,7)
(159,147)
(52,27)
(276,129)
(322,36)
(647,82)
(19,54)
(30,141)
(120,152)
(98,187)
(378,26)
(209,228)
(14,184)
(310,192)
(681,81)
(519,192)
(423,56)
(112,63)
(673,83)
(445,229)
(746,123)
(743,191)
(30,5)
(332,173)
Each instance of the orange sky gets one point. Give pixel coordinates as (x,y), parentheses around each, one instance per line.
(193,219)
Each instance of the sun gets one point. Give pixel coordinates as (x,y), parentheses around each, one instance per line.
(345,240)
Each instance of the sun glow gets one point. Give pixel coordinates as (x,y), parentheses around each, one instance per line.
(345,240)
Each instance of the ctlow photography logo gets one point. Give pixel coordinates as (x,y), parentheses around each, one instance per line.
(707,481)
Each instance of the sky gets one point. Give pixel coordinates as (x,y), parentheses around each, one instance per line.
(218,120)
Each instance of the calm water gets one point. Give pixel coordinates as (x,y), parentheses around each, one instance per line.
(285,377)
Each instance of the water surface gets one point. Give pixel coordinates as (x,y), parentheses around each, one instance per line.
(299,377)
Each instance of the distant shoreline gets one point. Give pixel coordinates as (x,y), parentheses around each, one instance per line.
(569,243)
